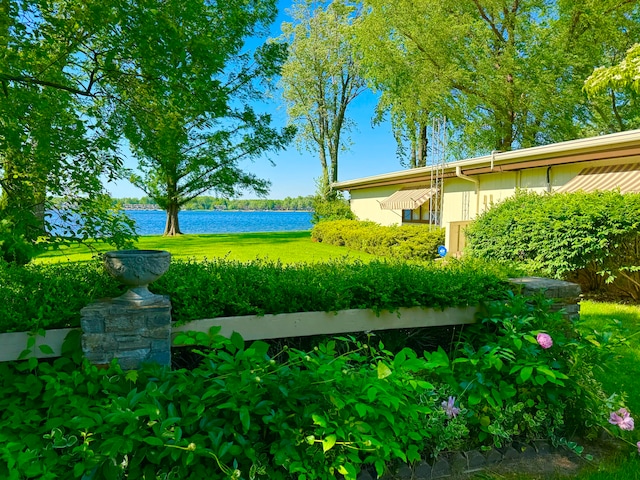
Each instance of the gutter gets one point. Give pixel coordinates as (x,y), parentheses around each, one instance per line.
(459,174)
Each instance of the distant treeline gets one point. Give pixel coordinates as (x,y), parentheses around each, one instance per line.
(212,203)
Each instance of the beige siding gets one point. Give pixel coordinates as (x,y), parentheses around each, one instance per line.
(365,204)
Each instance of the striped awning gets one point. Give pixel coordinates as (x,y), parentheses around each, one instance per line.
(624,177)
(408,199)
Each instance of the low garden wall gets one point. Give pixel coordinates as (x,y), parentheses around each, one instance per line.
(138,334)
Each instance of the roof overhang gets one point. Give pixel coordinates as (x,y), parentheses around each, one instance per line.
(604,147)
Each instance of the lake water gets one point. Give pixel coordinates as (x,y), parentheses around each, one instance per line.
(151,222)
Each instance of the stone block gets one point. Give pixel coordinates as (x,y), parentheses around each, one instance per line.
(493,457)
(159,333)
(525,451)
(542,447)
(161,345)
(458,463)
(509,453)
(132,342)
(122,323)
(364,475)
(423,471)
(98,342)
(404,473)
(440,469)
(160,357)
(475,460)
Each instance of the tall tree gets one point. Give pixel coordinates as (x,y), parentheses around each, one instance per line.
(69,72)
(320,78)
(506,73)
(193,140)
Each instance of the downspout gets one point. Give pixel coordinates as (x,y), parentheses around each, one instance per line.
(459,174)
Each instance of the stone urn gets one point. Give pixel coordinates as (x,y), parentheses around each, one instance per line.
(137,269)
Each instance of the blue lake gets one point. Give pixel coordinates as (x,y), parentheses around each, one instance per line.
(151,222)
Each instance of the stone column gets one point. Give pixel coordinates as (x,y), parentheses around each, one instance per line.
(566,295)
(134,334)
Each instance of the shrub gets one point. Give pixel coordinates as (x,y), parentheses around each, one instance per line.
(589,237)
(245,412)
(51,296)
(408,242)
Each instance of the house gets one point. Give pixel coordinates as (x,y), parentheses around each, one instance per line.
(453,194)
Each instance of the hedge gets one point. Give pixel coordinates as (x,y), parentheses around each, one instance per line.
(51,296)
(408,242)
(592,238)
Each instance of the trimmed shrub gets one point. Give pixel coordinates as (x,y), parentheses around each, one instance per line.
(591,238)
(407,242)
(51,296)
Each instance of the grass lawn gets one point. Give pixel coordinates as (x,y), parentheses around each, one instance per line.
(287,247)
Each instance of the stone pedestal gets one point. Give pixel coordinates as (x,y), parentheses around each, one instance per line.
(134,334)
(565,295)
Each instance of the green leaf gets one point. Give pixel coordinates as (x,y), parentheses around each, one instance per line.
(46,349)
(383,370)
(132,376)
(328,442)
(318,420)
(237,340)
(526,373)
(245,418)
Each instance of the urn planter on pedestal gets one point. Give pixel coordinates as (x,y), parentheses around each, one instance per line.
(135,327)
(137,269)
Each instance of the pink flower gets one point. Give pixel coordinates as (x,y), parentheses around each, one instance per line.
(638,447)
(622,418)
(449,407)
(544,340)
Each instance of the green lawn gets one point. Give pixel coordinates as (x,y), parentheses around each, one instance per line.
(288,247)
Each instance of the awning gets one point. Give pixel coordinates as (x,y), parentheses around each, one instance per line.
(408,199)
(624,177)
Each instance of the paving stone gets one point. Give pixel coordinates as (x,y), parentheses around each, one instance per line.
(475,461)
(440,469)
(423,471)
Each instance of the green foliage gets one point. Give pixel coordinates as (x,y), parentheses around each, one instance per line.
(510,387)
(416,242)
(590,237)
(321,77)
(246,412)
(504,74)
(51,296)
(330,209)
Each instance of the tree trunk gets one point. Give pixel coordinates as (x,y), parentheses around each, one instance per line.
(172,227)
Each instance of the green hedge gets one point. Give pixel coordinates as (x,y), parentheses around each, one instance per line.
(51,296)
(589,237)
(417,242)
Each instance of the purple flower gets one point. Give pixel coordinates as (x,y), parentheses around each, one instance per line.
(544,340)
(449,407)
(622,418)
(638,447)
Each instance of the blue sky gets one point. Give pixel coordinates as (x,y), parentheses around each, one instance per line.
(372,150)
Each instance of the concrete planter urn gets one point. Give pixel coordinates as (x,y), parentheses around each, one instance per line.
(137,269)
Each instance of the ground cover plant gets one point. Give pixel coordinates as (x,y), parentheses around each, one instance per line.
(409,242)
(248,412)
(286,247)
(592,238)
(51,295)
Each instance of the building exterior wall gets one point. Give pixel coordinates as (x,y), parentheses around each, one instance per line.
(365,204)
(463,200)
